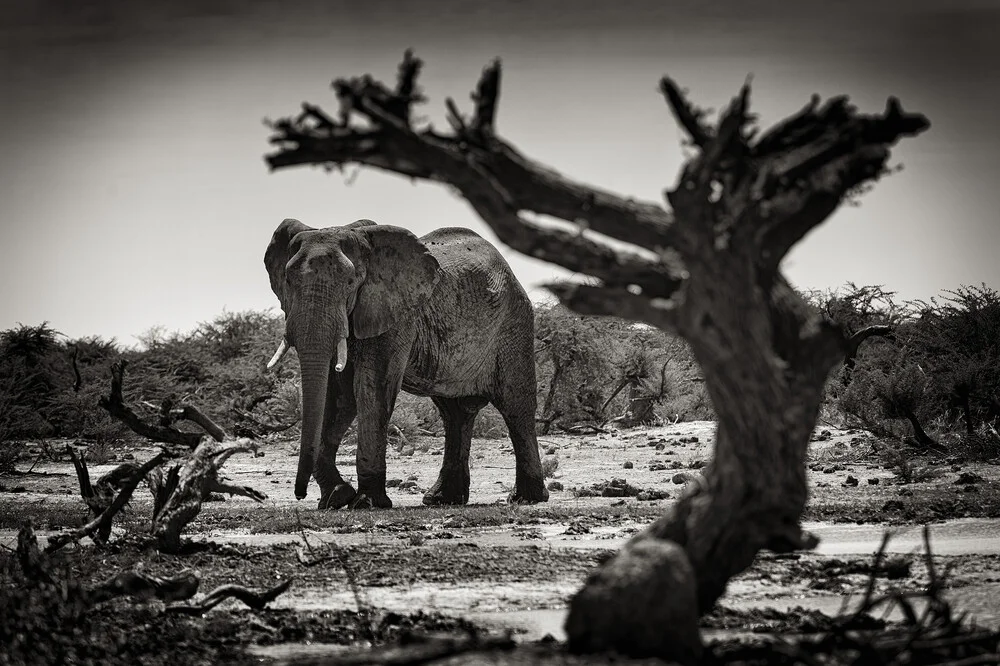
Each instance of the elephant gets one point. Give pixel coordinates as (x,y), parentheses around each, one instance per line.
(371,310)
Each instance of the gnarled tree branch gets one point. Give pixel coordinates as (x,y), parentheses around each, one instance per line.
(709,269)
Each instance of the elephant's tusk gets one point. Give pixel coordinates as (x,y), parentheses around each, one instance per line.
(282,350)
(341,355)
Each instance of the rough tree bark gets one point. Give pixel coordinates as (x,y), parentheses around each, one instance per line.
(708,271)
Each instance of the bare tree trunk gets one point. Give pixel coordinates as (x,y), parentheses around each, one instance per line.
(709,271)
(854,345)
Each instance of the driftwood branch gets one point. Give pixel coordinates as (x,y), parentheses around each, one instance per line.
(142,585)
(101,524)
(100,496)
(179,492)
(256,599)
(709,269)
(115,405)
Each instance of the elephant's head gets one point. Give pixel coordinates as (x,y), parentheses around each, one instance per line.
(360,280)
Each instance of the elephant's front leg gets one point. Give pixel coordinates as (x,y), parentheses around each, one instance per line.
(377,380)
(341,408)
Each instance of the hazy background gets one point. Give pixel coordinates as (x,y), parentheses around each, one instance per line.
(134,191)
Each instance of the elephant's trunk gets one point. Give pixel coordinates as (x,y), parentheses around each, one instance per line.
(315,366)
(320,341)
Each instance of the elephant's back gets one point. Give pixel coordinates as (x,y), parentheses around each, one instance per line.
(478,305)
(469,260)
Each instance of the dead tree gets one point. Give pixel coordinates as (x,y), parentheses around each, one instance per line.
(178,490)
(709,271)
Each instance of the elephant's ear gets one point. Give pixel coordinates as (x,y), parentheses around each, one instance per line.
(400,275)
(277,255)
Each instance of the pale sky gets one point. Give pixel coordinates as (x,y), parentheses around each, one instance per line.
(134,191)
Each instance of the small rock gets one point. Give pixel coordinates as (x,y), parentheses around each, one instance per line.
(407,484)
(968,478)
(268,472)
(677,464)
(897,567)
(905,492)
(393,483)
(412,477)
(851,480)
(628,465)
(651,495)
(657,467)
(660,446)
(893,505)
(550,451)
(407,451)
(873,481)
(555,485)
(696,464)
(682,477)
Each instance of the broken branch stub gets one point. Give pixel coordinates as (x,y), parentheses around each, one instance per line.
(708,270)
(183,489)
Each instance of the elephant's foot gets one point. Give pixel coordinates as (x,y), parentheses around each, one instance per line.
(443,492)
(450,489)
(528,492)
(364,500)
(341,495)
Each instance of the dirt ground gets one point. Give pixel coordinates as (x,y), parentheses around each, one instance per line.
(490,565)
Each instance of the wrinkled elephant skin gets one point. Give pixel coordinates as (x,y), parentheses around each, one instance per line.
(372,310)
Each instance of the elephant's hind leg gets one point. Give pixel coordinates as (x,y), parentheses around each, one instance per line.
(459,416)
(517,404)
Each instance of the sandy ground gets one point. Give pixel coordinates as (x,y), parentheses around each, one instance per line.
(518,569)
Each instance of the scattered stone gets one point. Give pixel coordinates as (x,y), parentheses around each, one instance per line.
(682,477)
(393,483)
(823,436)
(628,465)
(660,446)
(407,485)
(851,481)
(677,464)
(407,450)
(905,492)
(657,467)
(696,464)
(550,451)
(412,477)
(555,485)
(873,481)
(897,567)
(968,478)
(652,495)
(893,505)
